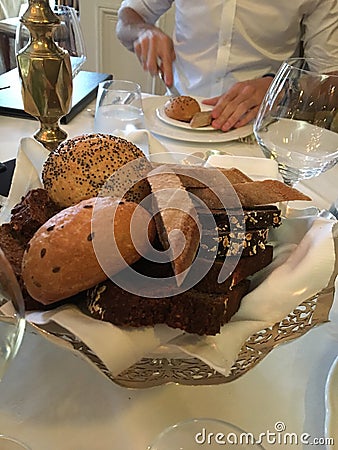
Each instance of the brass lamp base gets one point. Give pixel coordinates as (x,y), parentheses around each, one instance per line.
(50,135)
(46,74)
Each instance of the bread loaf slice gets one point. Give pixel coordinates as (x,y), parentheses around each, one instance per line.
(222,245)
(234,220)
(246,267)
(176,219)
(199,176)
(253,193)
(191,311)
(201,119)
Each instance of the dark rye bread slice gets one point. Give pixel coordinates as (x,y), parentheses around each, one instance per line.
(203,275)
(12,247)
(34,209)
(253,193)
(246,267)
(223,245)
(234,220)
(190,311)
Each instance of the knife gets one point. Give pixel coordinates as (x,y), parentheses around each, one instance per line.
(172,91)
(334,209)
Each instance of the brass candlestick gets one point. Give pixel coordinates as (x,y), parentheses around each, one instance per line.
(46,74)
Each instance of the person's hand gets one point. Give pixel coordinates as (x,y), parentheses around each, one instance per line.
(239,105)
(155,51)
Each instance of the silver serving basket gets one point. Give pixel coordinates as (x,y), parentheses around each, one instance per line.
(158,370)
(161,369)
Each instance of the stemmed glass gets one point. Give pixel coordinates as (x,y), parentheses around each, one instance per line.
(199,433)
(297,124)
(12,326)
(68,35)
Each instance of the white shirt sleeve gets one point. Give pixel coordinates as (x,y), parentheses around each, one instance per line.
(321,34)
(150,10)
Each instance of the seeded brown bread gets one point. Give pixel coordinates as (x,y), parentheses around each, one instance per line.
(233,220)
(182,108)
(64,256)
(248,243)
(80,167)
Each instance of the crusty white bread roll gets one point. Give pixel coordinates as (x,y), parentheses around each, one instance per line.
(80,166)
(182,108)
(63,257)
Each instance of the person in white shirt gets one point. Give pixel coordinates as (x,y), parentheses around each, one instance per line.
(228,50)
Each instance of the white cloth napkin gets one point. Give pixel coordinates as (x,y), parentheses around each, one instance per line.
(255,168)
(303,264)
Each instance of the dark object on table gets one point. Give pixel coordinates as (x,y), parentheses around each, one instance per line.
(85,86)
(334,209)
(6,174)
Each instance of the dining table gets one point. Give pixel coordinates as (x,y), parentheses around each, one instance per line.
(54,399)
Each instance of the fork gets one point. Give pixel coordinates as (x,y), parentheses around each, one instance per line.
(250,139)
(334,209)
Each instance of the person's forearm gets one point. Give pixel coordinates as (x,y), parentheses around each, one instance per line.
(129,27)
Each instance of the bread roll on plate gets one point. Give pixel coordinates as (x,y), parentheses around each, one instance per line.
(182,108)
(63,257)
(80,167)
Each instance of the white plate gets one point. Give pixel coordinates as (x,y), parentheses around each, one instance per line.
(331,404)
(160,112)
(156,126)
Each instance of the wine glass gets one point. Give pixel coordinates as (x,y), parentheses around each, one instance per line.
(67,35)
(12,326)
(207,433)
(297,124)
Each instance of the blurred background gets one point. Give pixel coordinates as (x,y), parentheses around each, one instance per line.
(98,19)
